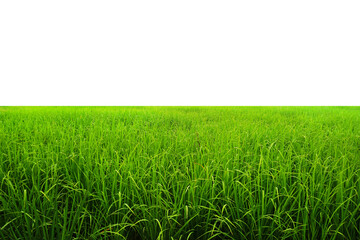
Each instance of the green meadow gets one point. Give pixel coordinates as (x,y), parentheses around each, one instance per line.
(179,173)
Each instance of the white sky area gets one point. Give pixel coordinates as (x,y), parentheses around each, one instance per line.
(185,52)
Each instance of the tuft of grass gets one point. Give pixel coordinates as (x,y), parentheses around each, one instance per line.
(179,173)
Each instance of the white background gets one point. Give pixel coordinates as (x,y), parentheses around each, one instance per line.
(185,52)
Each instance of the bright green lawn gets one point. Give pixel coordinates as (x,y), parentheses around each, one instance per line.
(179,173)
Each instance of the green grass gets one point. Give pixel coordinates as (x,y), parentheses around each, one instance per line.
(179,173)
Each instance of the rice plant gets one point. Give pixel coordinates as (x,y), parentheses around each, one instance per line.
(179,173)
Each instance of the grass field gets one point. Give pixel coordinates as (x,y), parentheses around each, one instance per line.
(179,173)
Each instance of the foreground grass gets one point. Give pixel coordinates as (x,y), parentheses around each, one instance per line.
(179,173)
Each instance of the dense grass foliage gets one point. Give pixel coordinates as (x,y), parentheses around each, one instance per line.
(179,173)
